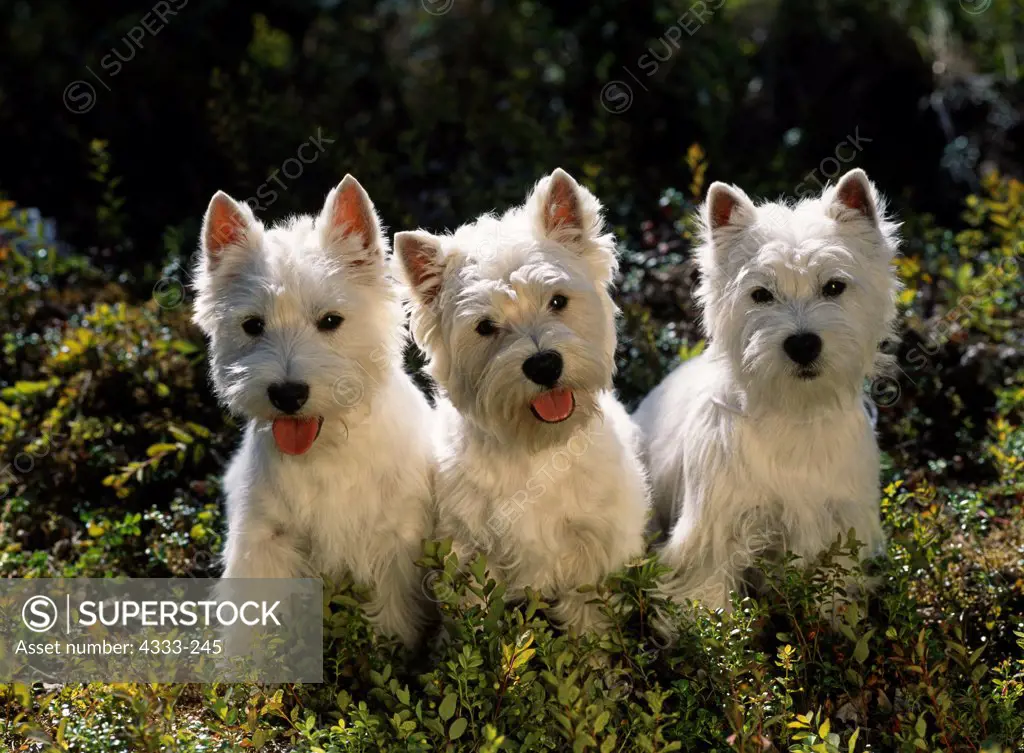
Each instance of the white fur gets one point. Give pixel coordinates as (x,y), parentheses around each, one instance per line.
(552,506)
(745,456)
(359,499)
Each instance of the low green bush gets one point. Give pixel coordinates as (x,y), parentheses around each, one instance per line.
(113,446)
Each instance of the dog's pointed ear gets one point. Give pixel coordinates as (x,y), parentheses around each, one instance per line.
(227,227)
(565,211)
(854,198)
(727,207)
(420,263)
(727,211)
(562,209)
(348,224)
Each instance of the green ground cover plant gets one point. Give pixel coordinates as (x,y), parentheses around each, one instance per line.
(114,446)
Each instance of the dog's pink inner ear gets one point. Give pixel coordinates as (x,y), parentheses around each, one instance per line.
(420,259)
(854,193)
(562,209)
(353,215)
(722,204)
(225,227)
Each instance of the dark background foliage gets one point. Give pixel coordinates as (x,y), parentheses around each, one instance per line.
(445,116)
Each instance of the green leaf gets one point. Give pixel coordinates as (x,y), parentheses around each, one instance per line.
(182,436)
(457,728)
(402,694)
(444,548)
(861,651)
(95,530)
(479,569)
(161,448)
(522,657)
(185,347)
(434,726)
(447,708)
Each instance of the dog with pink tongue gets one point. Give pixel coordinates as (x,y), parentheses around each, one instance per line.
(306,339)
(537,460)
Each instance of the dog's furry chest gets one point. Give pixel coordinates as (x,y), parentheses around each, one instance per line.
(341,507)
(553,521)
(804,476)
(808,459)
(546,535)
(330,513)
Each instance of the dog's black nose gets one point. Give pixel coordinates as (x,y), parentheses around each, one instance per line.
(543,368)
(288,397)
(803,347)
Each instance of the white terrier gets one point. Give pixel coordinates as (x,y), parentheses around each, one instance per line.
(763,442)
(538,465)
(305,330)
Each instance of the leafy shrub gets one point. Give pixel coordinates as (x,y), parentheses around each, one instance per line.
(101,398)
(113,479)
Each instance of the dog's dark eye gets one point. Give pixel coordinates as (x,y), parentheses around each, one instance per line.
(253,326)
(329,322)
(558,302)
(486,328)
(762,295)
(833,288)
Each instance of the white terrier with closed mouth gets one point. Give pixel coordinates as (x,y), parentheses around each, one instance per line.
(537,463)
(762,443)
(306,339)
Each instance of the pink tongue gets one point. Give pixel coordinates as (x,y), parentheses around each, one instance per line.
(295,436)
(554,406)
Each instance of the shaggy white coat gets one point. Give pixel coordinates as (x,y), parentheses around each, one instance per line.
(552,506)
(359,499)
(745,456)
